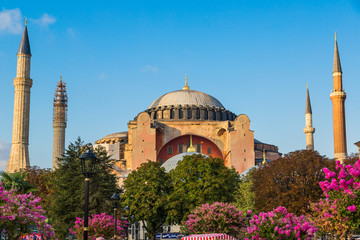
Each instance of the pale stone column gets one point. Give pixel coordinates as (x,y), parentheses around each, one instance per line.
(19,154)
(59,121)
(58,142)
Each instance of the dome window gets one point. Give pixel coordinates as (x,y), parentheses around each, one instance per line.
(170,150)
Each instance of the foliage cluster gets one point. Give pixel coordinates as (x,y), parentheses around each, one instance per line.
(339,212)
(279,224)
(198,179)
(226,218)
(291,181)
(216,218)
(100,225)
(68,187)
(157,197)
(21,213)
(147,194)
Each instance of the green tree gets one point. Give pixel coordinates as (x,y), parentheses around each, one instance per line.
(147,194)
(43,180)
(245,195)
(291,181)
(68,195)
(197,180)
(16,180)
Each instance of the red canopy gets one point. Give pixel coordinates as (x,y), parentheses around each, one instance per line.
(211,236)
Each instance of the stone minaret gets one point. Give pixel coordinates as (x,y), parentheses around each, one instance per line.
(59,121)
(19,154)
(338,97)
(308,130)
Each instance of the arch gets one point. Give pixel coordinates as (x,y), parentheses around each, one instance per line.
(182,140)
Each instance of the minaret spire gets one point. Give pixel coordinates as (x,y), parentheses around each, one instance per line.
(59,121)
(24,47)
(19,154)
(338,97)
(337,64)
(308,130)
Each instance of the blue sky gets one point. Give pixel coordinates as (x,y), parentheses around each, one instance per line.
(118,56)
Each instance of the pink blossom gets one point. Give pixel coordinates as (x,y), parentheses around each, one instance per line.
(351,208)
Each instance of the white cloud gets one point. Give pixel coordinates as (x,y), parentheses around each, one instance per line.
(4,153)
(11,21)
(45,20)
(149,68)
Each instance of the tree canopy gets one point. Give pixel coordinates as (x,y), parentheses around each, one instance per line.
(291,181)
(245,195)
(198,179)
(147,192)
(68,195)
(16,180)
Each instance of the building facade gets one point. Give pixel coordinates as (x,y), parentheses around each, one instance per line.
(165,130)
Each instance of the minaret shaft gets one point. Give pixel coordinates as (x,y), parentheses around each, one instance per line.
(338,97)
(309,130)
(59,121)
(19,154)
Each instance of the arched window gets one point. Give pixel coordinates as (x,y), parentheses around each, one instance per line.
(180,148)
(198,148)
(170,150)
(209,150)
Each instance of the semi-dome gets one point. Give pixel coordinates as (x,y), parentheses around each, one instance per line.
(186,97)
(172,162)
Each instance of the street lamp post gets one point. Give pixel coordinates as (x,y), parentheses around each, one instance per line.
(126,210)
(115,197)
(88,159)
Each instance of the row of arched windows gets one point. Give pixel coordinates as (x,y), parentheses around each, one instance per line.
(180,148)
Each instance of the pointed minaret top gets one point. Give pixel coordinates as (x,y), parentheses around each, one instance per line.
(337,65)
(25,45)
(186,87)
(308,104)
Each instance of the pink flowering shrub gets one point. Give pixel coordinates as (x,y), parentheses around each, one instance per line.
(279,224)
(326,217)
(342,189)
(20,213)
(216,218)
(100,225)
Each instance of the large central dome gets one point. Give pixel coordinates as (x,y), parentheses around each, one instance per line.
(188,105)
(186,97)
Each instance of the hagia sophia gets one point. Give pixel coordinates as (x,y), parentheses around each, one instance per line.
(175,124)
(183,118)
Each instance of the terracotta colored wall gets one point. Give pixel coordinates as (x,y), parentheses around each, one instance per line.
(143,141)
(205,144)
(242,154)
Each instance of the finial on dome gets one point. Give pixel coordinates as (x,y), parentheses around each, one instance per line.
(264,157)
(191,147)
(186,87)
